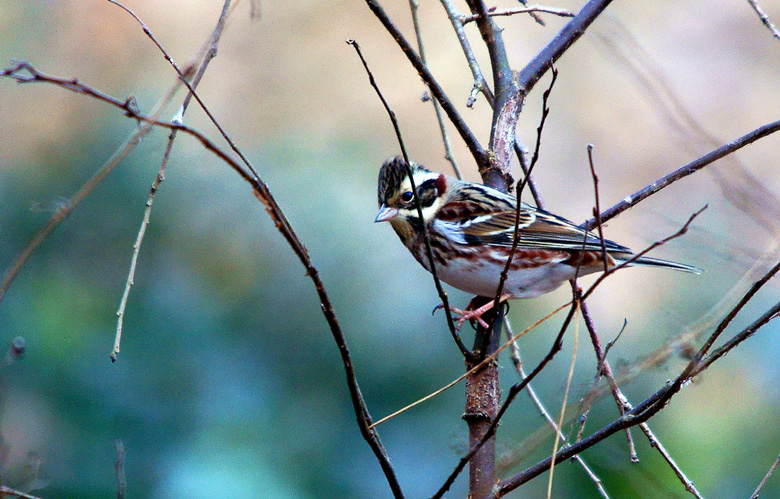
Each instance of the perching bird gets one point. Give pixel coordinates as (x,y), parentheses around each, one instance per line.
(471,228)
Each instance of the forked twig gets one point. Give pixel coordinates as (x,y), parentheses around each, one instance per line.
(209,55)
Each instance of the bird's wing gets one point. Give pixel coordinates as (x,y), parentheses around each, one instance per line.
(492,222)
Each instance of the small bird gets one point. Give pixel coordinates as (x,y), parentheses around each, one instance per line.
(471,229)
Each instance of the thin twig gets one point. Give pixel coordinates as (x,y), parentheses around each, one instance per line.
(414,5)
(474,369)
(521,10)
(765,19)
(684,171)
(625,406)
(597,208)
(476,149)
(426,237)
(515,356)
(654,442)
(563,403)
(766,478)
(183,78)
(210,54)
(603,368)
(263,194)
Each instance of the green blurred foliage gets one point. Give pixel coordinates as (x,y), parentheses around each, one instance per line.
(229,383)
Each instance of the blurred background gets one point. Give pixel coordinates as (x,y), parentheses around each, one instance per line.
(229,383)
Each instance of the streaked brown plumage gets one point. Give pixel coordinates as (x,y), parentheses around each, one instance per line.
(471,229)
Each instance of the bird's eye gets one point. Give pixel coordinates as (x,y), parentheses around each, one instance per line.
(407,196)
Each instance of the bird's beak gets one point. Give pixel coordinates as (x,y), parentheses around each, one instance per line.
(386,213)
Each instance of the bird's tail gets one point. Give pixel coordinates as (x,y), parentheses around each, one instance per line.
(657,262)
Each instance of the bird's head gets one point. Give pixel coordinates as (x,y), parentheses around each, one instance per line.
(396,199)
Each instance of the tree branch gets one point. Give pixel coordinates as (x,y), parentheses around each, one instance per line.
(262,192)
(684,171)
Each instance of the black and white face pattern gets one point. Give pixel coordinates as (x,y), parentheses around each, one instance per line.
(395,195)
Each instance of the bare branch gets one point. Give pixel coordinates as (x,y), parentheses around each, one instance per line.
(766,478)
(479,153)
(520,10)
(684,171)
(570,33)
(764,19)
(263,193)
(209,55)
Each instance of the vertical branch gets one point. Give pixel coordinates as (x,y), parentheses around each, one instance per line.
(507,102)
(119,468)
(482,400)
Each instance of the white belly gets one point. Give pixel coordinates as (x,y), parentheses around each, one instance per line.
(482,278)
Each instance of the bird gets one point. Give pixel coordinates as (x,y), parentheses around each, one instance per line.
(471,228)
